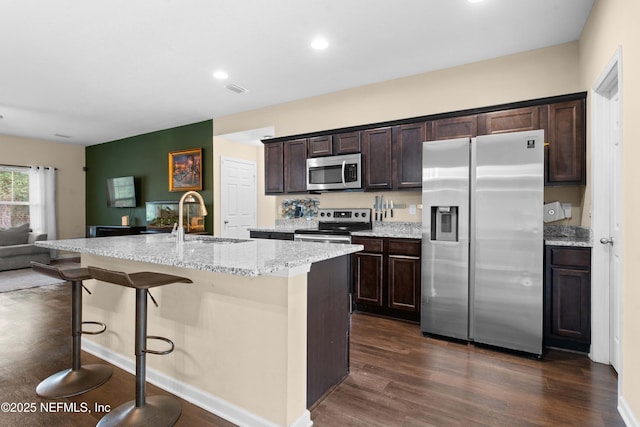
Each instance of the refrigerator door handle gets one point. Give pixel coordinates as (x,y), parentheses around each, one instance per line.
(472,236)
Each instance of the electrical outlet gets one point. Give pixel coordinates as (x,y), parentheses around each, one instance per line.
(412,209)
(566,207)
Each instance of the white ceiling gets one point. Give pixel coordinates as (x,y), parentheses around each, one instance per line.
(95,71)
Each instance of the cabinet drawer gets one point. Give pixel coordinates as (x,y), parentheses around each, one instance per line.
(405,247)
(370,244)
(571,257)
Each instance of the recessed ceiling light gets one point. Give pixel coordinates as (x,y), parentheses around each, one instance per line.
(221,75)
(319,43)
(474,1)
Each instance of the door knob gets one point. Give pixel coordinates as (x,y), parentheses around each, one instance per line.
(606,241)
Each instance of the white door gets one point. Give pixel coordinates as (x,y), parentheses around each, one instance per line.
(606,178)
(615,224)
(238,197)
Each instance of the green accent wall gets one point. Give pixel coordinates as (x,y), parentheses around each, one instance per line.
(146,157)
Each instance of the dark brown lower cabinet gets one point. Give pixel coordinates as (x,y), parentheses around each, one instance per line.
(327,326)
(567,293)
(386,277)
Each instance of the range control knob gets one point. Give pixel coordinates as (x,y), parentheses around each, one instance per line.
(328,213)
(357,214)
(364,214)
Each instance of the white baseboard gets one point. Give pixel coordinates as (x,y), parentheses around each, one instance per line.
(626,413)
(206,401)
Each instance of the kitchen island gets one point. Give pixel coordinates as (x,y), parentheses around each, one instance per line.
(251,330)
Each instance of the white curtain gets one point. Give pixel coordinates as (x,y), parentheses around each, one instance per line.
(42,200)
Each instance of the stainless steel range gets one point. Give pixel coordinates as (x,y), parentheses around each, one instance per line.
(336,225)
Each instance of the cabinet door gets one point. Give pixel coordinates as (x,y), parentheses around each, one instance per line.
(274,168)
(570,304)
(514,120)
(455,127)
(567,146)
(377,159)
(404,282)
(295,166)
(346,143)
(368,278)
(407,155)
(320,146)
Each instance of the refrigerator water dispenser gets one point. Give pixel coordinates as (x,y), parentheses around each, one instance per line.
(444,223)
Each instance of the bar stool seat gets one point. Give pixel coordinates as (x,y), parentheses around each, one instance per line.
(79,378)
(157,411)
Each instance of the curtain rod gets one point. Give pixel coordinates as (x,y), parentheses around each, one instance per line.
(19,166)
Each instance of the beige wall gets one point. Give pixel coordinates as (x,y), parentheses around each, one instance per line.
(535,74)
(69,159)
(613,23)
(265,204)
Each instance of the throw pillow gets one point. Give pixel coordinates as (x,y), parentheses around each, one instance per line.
(15,235)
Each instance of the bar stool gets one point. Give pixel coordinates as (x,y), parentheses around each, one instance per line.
(80,378)
(157,411)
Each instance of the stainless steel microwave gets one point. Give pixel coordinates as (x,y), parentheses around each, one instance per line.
(334,172)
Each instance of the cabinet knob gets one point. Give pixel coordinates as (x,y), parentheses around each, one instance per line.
(226,222)
(606,241)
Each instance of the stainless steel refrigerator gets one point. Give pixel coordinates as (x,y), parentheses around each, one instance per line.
(482,243)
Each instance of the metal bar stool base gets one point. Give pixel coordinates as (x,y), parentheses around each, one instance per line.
(158,411)
(73,382)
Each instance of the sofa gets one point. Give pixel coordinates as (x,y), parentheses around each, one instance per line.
(17,248)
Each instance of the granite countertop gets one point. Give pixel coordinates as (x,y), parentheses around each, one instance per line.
(250,257)
(567,235)
(398,230)
(554,235)
(403,230)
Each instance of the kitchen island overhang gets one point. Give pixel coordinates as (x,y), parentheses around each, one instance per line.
(240,329)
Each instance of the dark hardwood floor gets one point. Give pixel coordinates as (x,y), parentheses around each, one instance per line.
(398,377)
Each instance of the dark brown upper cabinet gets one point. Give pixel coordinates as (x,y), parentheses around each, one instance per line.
(454,127)
(319,146)
(347,143)
(295,166)
(285,167)
(566,162)
(392,152)
(334,145)
(377,159)
(407,155)
(514,120)
(274,168)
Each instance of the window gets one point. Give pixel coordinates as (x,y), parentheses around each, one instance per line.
(14,196)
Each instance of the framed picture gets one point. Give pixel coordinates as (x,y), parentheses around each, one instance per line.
(185,170)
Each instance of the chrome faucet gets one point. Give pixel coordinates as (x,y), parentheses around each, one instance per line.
(203,211)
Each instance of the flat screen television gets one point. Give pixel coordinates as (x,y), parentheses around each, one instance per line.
(121,192)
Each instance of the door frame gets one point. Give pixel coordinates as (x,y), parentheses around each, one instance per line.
(601,161)
(223,189)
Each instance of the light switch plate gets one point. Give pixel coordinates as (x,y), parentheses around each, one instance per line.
(412,209)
